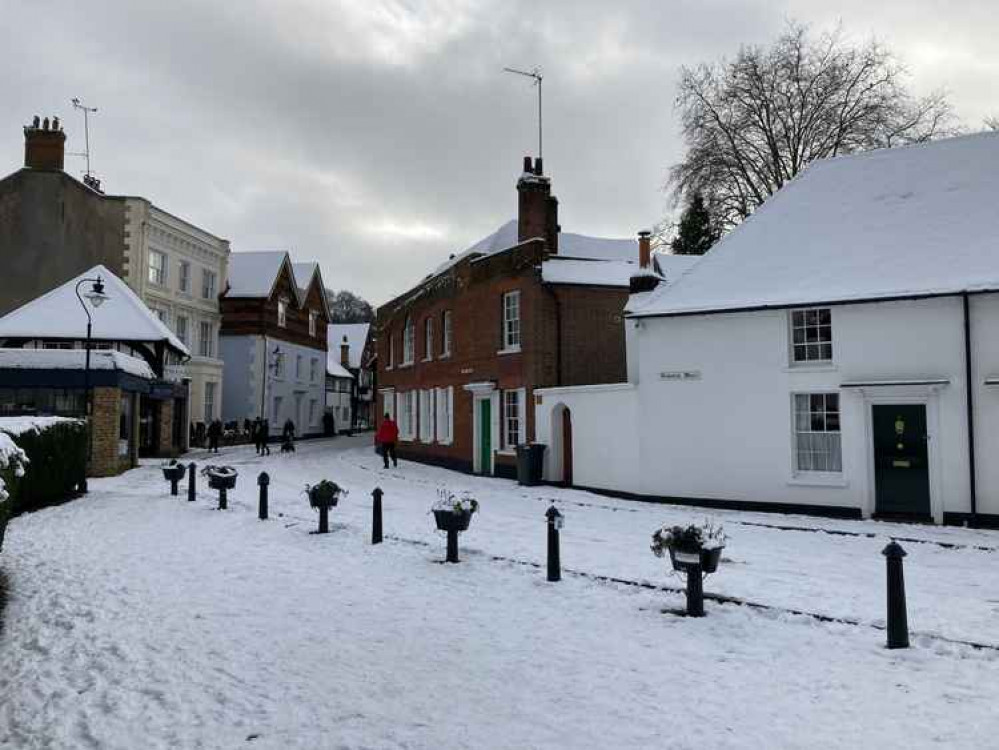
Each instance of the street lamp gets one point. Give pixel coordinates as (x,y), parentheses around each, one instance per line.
(96,297)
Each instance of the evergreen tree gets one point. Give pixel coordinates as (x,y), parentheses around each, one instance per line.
(696,232)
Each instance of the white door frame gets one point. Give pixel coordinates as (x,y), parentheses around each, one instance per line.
(925,395)
(480,392)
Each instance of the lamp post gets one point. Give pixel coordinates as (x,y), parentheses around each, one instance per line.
(97,297)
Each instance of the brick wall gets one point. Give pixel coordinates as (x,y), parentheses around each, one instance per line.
(164,443)
(104,460)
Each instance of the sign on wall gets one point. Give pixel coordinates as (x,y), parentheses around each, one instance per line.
(680,375)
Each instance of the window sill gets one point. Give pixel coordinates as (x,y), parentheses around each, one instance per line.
(512,350)
(818,480)
(445,355)
(818,367)
(405,365)
(427,359)
(507,452)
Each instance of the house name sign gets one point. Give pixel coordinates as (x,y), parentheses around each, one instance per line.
(680,375)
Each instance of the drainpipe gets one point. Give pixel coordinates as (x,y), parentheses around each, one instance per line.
(263,383)
(969,389)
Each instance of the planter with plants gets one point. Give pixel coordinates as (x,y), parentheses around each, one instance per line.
(453,514)
(324,495)
(221,478)
(173,472)
(694,550)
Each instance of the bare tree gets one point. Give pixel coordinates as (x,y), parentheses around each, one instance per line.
(753,123)
(992,122)
(347,307)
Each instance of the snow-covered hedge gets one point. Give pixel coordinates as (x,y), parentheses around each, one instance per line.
(55,449)
(12,463)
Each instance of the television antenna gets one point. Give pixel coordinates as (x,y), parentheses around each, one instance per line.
(86,128)
(536,76)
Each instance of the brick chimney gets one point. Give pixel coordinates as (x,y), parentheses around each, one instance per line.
(644,248)
(345,353)
(44,144)
(537,214)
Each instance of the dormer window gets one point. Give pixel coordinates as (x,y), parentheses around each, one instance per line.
(313,318)
(408,342)
(282,313)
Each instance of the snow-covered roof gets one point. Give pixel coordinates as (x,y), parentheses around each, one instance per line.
(357,336)
(912,221)
(57,315)
(253,274)
(335,369)
(32,423)
(74,359)
(303,274)
(560,270)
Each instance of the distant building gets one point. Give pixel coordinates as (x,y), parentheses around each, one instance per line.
(461,354)
(53,227)
(351,348)
(137,411)
(274,318)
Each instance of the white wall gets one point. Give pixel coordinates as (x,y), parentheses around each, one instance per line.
(725,431)
(604,436)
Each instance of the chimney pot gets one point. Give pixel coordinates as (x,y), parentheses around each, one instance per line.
(44,147)
(345,353)
(527,164)
(537,167)
(644,248)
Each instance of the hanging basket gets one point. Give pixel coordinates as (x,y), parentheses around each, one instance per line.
(683,558)
(323,496)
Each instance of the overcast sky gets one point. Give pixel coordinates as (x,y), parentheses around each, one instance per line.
(377,137)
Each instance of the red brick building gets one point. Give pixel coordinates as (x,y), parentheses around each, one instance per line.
(460,354)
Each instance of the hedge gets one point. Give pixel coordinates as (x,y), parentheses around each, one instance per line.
(57,458)
(12,461)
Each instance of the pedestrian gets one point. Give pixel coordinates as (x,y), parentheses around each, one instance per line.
(265,434)
(255,432)
(214,434)
(288,437)
(386,438)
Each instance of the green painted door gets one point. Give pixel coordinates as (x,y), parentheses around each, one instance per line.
(485,436)
(901,469)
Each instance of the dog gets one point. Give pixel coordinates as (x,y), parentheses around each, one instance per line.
(288,446)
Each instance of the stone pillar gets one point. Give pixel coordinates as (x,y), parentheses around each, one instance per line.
(164,441)
(104,446)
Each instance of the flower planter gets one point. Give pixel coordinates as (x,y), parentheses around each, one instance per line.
(448,520)
(682,558)
(323,498)
(222,481)
(174,472)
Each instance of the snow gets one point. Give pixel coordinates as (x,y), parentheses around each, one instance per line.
(57,315)
(916,220)
(357,336)
(335,369)
(253,274)
(21,425)
(563,270)
(10,454)
(303,275)
(190,627)
(74,359)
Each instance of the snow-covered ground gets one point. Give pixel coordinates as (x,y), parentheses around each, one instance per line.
(138,620)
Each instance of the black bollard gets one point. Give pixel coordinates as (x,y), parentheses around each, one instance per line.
(173,484)
(263,481)
(191,482)
(554,561)
(695,591)
(452,545)
(324,519)
(223,499)
(898,624)
(376,516)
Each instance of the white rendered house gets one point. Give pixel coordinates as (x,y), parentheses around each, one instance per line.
(836,353)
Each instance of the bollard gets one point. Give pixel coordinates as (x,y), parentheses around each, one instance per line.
(554,562)
(695,591)
(173,486)
(191,482)
(898,625)
(263,481)
(452,545)
(324,519)
(376,516)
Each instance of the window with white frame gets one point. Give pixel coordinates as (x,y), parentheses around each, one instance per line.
(278,363)
(427,416)
(428,338)
(208,284)
(511,320)
(313,411)
(282,313)
(391,352)
(313,370)
(207,340)
(184,276)
(298,367)
(817,442)
(161,314)
(811,335)
(276,413)
(181,329)
(446,333)
(444,427)
(513,418)
(408,342)
(313,318)
(210,400)
(157,267)
(407,415)
(388,403)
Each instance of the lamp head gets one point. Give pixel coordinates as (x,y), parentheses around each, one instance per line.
(96,294)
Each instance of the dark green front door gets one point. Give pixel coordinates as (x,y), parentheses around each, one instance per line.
(485,436)
(901,471)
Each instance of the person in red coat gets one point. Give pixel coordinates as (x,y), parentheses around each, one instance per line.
(386,438)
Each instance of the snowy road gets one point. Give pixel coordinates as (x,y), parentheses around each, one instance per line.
(138,620)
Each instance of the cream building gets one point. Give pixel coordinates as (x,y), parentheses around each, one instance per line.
(178,270)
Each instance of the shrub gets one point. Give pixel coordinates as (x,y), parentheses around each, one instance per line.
(12,462)
(56,463)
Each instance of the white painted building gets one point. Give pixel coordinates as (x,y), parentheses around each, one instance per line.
(836,353)
(178,270)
